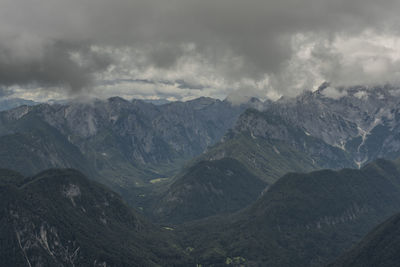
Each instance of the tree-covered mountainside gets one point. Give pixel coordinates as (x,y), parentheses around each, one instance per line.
(208,188)
(380,248)
(265,158)
(301,220)
(60,218)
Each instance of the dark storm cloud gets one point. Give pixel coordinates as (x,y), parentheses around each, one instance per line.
(38,39)
(55,67)
(119,81)
(181,84)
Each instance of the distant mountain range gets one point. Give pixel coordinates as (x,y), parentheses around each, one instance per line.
(10,103)
(309,132)
(227,185)
(121,143)
(363,123)
(126,144)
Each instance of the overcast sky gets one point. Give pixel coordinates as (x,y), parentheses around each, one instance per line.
(180,49)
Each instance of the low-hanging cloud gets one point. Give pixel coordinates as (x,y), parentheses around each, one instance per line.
(223,44)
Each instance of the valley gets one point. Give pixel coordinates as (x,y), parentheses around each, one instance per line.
(221,184)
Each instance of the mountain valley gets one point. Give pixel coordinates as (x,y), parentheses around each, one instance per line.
(220,184)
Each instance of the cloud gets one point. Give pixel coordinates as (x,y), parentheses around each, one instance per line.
(272,47)
(334,93)
(56,64)
(4,92)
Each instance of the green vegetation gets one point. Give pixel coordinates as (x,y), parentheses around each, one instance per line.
(266,159)
(33,145)
(59,217)
(302,220)
(381,247)
(208,188)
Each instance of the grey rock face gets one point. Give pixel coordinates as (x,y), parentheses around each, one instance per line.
(149,133)
(130,140)
(363,123)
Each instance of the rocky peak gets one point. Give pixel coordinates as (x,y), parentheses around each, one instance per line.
(349,120)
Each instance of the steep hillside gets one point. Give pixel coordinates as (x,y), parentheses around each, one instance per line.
(275,128)
(30,145)
(302,220)
(381,247)
(265,146)
(208,188)
(60,218)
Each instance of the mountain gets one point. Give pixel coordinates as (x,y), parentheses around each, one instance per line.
(309,132)
(314,131)
(381,247)
(208,188)
(301,220)
(363,122)
(10,103)
(30,145)
(60,218)
(124,144)
(157,101)
(269,147)
(269,126)
(226,178)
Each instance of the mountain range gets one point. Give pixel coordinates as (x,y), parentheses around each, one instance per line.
(225,184)
(309,132)
(121,143)
(10,103)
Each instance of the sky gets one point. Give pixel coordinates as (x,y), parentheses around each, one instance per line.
(182,49)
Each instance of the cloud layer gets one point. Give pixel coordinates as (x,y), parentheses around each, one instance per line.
(190,48)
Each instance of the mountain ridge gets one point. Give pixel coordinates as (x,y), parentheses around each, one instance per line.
(60,218)
(304,219)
